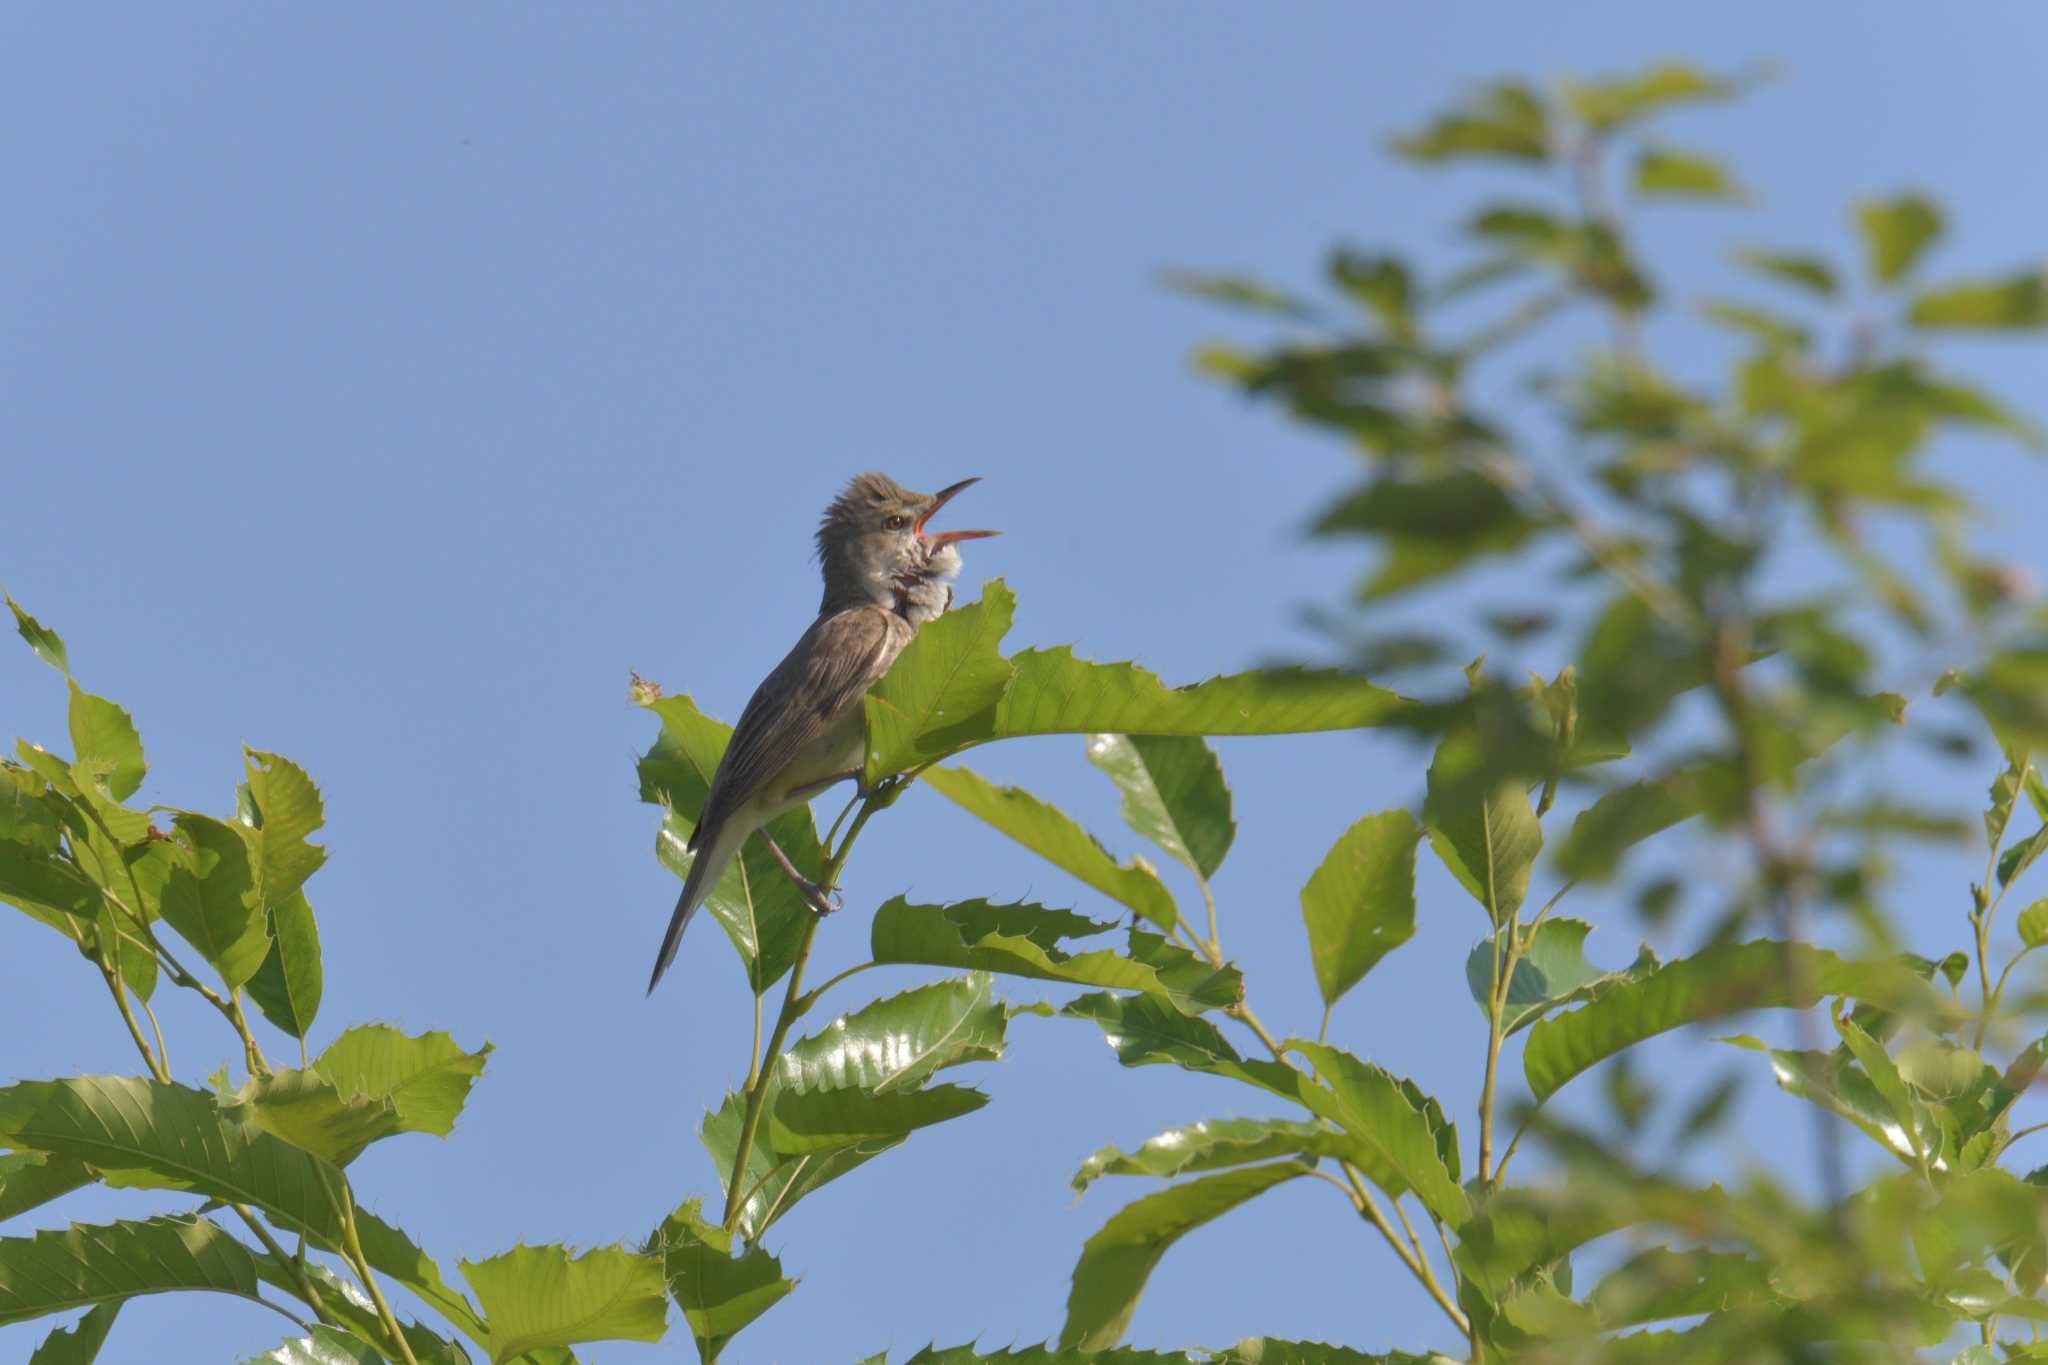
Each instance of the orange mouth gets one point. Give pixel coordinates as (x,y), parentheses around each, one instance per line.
(940,499)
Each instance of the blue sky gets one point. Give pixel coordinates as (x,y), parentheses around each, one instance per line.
(381,383)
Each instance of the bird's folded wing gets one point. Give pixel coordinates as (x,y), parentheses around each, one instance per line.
(839,658)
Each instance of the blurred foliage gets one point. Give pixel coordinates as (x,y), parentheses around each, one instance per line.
(1749,588)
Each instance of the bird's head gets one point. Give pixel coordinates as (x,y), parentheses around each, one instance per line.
(877,548)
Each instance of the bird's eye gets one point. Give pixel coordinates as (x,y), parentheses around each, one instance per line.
(897,523)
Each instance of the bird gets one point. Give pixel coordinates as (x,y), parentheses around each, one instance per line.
(805,729)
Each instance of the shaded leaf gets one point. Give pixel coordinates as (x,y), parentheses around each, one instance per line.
(1805,272)
(82,1266)
(1360,903)
(718,1292)
(1118,1259)
(209,897)
(541,1296)
(2020,301)
(1021,940)
(1609,104)
(1722,980)
(29,1179)
(305,1110)
(426,1079)
(288,985)
(1430,526)
(1896,231)
(1551,972)
(78,1344)
(1047,830)
(1481,824)
(1239,291)
(825,1120)
(1145,1032)
(47,644)
(1380,1112)
(1215,1144)
(1173,794)
(1499,121)
(772,1182)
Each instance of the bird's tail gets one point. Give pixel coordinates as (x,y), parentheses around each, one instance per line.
(713,855)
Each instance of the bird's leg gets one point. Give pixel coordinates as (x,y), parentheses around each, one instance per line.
(811,789)
(823,900)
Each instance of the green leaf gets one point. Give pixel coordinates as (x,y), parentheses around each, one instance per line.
(1481,824)
(288,986)
(1215,1144)
(426,1079)
(1430,526)
(210,898)
(826,1120)
(1360,903)
(286,807)
(1020,940)
(327,1346)
(1272,1351)
(1145,1032)
(1239,291)
(1381,1112)
(1833,1081)
(2019,301)
(1773,331)
(1611,104)
(82,1265)
(104,743)
(718,1292)
(1804,272)
(305,1110)
(46,643)
(2018,858)
(1173,794)
(48,889)
(148,1134)
(541,1296)
(759,908)
(1722,980)
(1499,121)
(2033,924)
(1118,1259)
(942,692)
(772,1181)
(898,1042)
(78,1344)
(1666,173)
(1896,231)
(1552,971)
(30,1179)
(1047,830)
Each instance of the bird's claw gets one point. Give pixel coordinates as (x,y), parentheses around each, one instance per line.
(823,900)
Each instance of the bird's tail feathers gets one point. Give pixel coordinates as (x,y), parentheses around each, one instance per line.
(713,855)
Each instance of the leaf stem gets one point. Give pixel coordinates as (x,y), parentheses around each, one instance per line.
(361,1262)
(1369,1209)
(296,1265)
(811,996)
(112,976)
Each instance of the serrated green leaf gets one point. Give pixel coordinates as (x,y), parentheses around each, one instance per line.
(1481,825)
(152,1135)
(773,1183)
(1379,1110)
(1173,794)
(82,1265)
(943,691)
(1019,940)
(2019,301)
(1896,231)
(1805,272)
(1143,1031)
(1272,1351)
(1722,980)
(78,1344)
(286,807)
(1360,903)
(104,743)
(1551,972)
(541,1296)
(718,1292)
(1050,832)
(29,1179)
(826,1120)
(209,897)
(288,985)
(1118,1259)
(47,644)
(1215,1144)
(426,1078)
(305,1110)
(326,1346)
(898,1042)
(1663,172)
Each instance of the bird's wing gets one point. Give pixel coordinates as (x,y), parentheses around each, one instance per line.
(838,659)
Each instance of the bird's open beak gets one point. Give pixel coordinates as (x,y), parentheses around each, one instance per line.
(944,496)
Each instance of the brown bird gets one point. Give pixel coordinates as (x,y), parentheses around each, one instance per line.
(805,728)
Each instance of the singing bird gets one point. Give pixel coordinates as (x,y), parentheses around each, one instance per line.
(805,728)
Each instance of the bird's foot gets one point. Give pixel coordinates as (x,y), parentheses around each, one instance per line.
(823,900)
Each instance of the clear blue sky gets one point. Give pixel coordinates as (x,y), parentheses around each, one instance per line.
(382,382)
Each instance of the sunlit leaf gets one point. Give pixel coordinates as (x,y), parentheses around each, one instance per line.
(771,1181)
(1551,972)
(719,1293)
(942,692)
(1663,172)
(1380,1111)
(210,898)
(1021,940)
(104,743)
(1173,794)
(326,1346)
(826,1119)
(78,1344)
(898,1042)
(1118,1259)
(2033,923)
(286,807)
(1144,1032)
(1050,832)
(287,987)
(29,1179)
(1805,272)
(80,1266)
(305,1110)
(1896,231)
(2020,301)
(1722,980)
(47,644)
(1503,120)
(1360,903)
(1216,1144)
(1614,103)
(1481,824)
(426,1079)
(541,1296)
